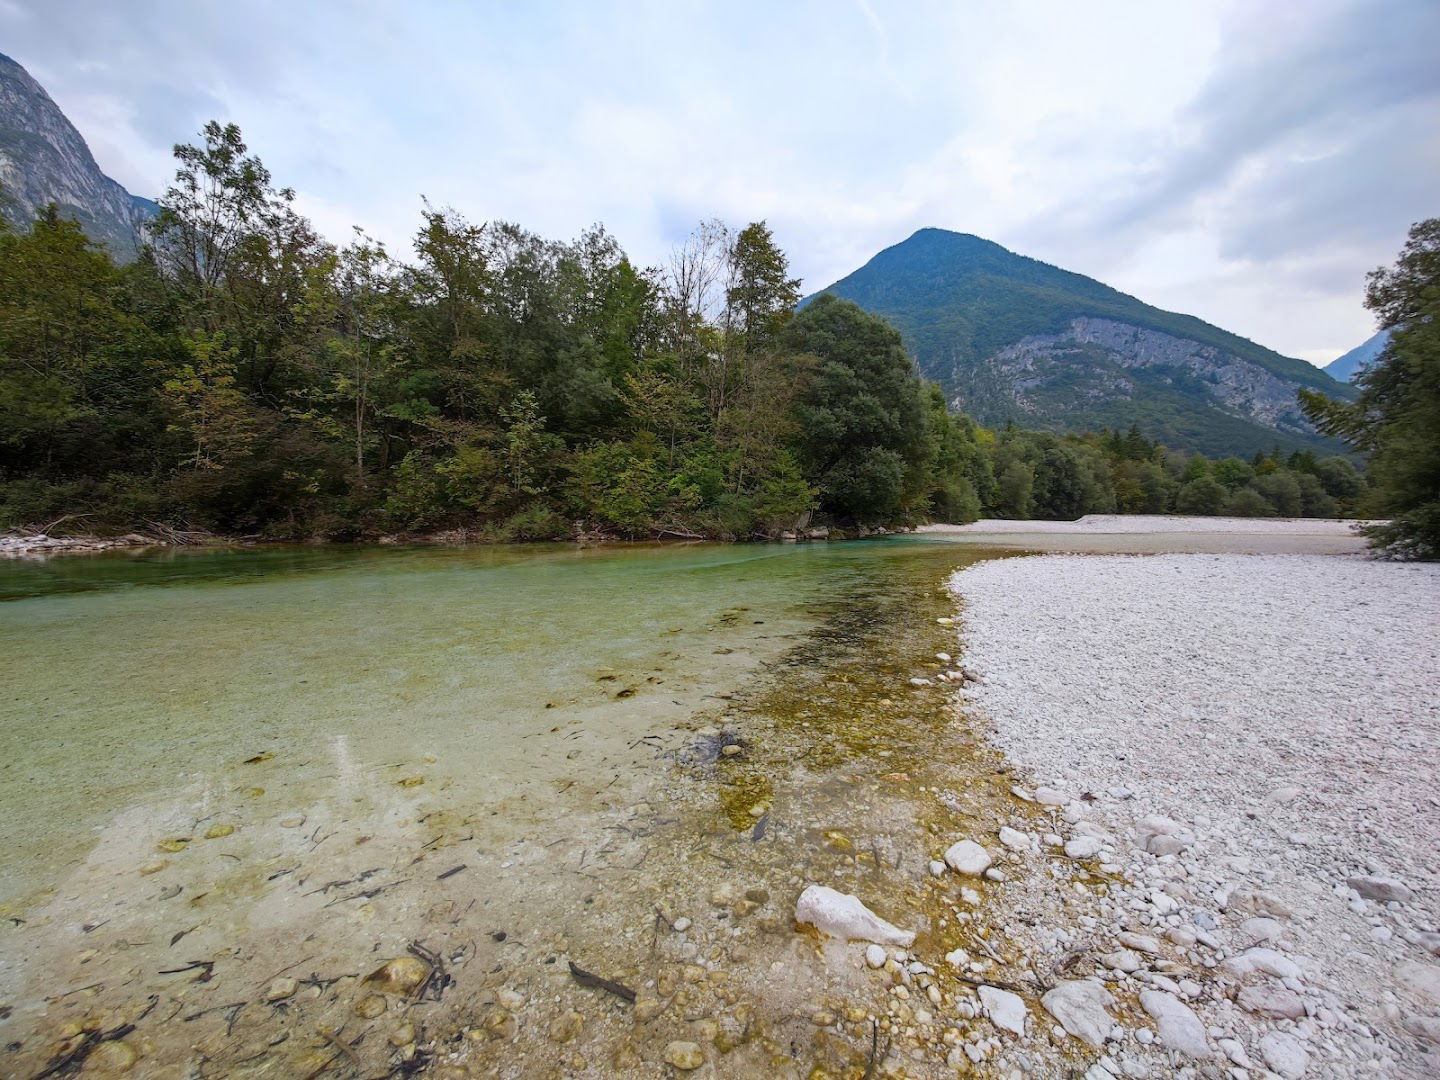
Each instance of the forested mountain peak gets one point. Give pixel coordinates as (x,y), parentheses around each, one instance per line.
(44,159)
(1348,365)
(1011,338)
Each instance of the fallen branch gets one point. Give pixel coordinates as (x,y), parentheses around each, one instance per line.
(593,981)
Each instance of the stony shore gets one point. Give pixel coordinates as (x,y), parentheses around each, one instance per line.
(1245,745)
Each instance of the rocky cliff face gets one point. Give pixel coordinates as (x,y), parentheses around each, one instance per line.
(1011,338)
(1119,361)
(43,159)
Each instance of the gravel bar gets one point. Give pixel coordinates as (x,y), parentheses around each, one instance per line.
(1244,748)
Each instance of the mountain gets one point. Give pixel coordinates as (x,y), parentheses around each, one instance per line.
(43,159)
(1013,339)
(1345,367)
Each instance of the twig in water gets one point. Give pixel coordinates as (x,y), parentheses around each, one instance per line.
(589,979)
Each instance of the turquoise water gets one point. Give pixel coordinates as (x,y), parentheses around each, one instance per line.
(133,678)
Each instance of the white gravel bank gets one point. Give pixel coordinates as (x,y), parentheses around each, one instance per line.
(1127,524)
(1244,740)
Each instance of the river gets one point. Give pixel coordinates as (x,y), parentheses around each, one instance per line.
(203,742)
(233,783)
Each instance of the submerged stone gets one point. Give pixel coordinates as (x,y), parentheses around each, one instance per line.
(399,976)
(844,916)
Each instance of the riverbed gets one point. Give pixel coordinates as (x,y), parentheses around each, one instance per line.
(237,783)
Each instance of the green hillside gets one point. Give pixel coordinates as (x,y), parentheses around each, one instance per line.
(958,300)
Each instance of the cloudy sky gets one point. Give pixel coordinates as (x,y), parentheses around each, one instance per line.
(1241,160)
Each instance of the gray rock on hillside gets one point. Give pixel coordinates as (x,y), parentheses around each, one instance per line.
(1081,1006)
(1176,1023)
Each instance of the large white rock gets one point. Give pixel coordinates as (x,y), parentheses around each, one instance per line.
(1267,960)
(1083,847)
(1080,1005)
(1285,1054)
(1014,839)
(1006,1010)
(1176,1023)
(1422,979)
(1423,1027)
(1275,1002)
(1381,888)
(844,916)
(967,857)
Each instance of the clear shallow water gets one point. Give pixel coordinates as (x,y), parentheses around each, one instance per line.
(132,679)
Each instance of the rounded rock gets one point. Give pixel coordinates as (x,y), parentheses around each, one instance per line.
(685,1056)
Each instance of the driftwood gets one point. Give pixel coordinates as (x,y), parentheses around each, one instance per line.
(178,537)
(589,979)
(676,532)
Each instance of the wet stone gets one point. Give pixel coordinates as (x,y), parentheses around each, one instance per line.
(685,1056)
(281,989)
(566,1028)
(401,975)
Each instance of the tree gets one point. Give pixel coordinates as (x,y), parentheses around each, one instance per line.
(1248,503)
(1059,492)
(1282,491)
(1202,495)
(761,295)
(1396,417)
(861,416)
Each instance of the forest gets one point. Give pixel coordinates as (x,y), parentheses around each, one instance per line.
(245,377)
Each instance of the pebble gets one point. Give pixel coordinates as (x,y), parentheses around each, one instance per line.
(399,976)
(723,895)
(566,1027)
(1267,960)
(681,924)
(1122,960)
(875,956)
(112,1056)
(967,857)
(1276,1003)
(281,989)
(1083,847)
(402,1035)
(370,1006)
(1014,839)
(1049,796)
(685,1056)
(1139,942)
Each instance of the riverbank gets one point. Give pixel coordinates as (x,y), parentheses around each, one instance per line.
(1247,746)
(1326,533)
(1151,534)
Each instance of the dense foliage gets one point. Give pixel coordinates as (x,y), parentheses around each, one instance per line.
(1396,419)
(245,376)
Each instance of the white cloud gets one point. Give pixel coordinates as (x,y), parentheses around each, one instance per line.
(1243,162)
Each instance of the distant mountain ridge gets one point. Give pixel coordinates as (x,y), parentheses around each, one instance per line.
(44,159)
(1011,338)
(1346,367)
